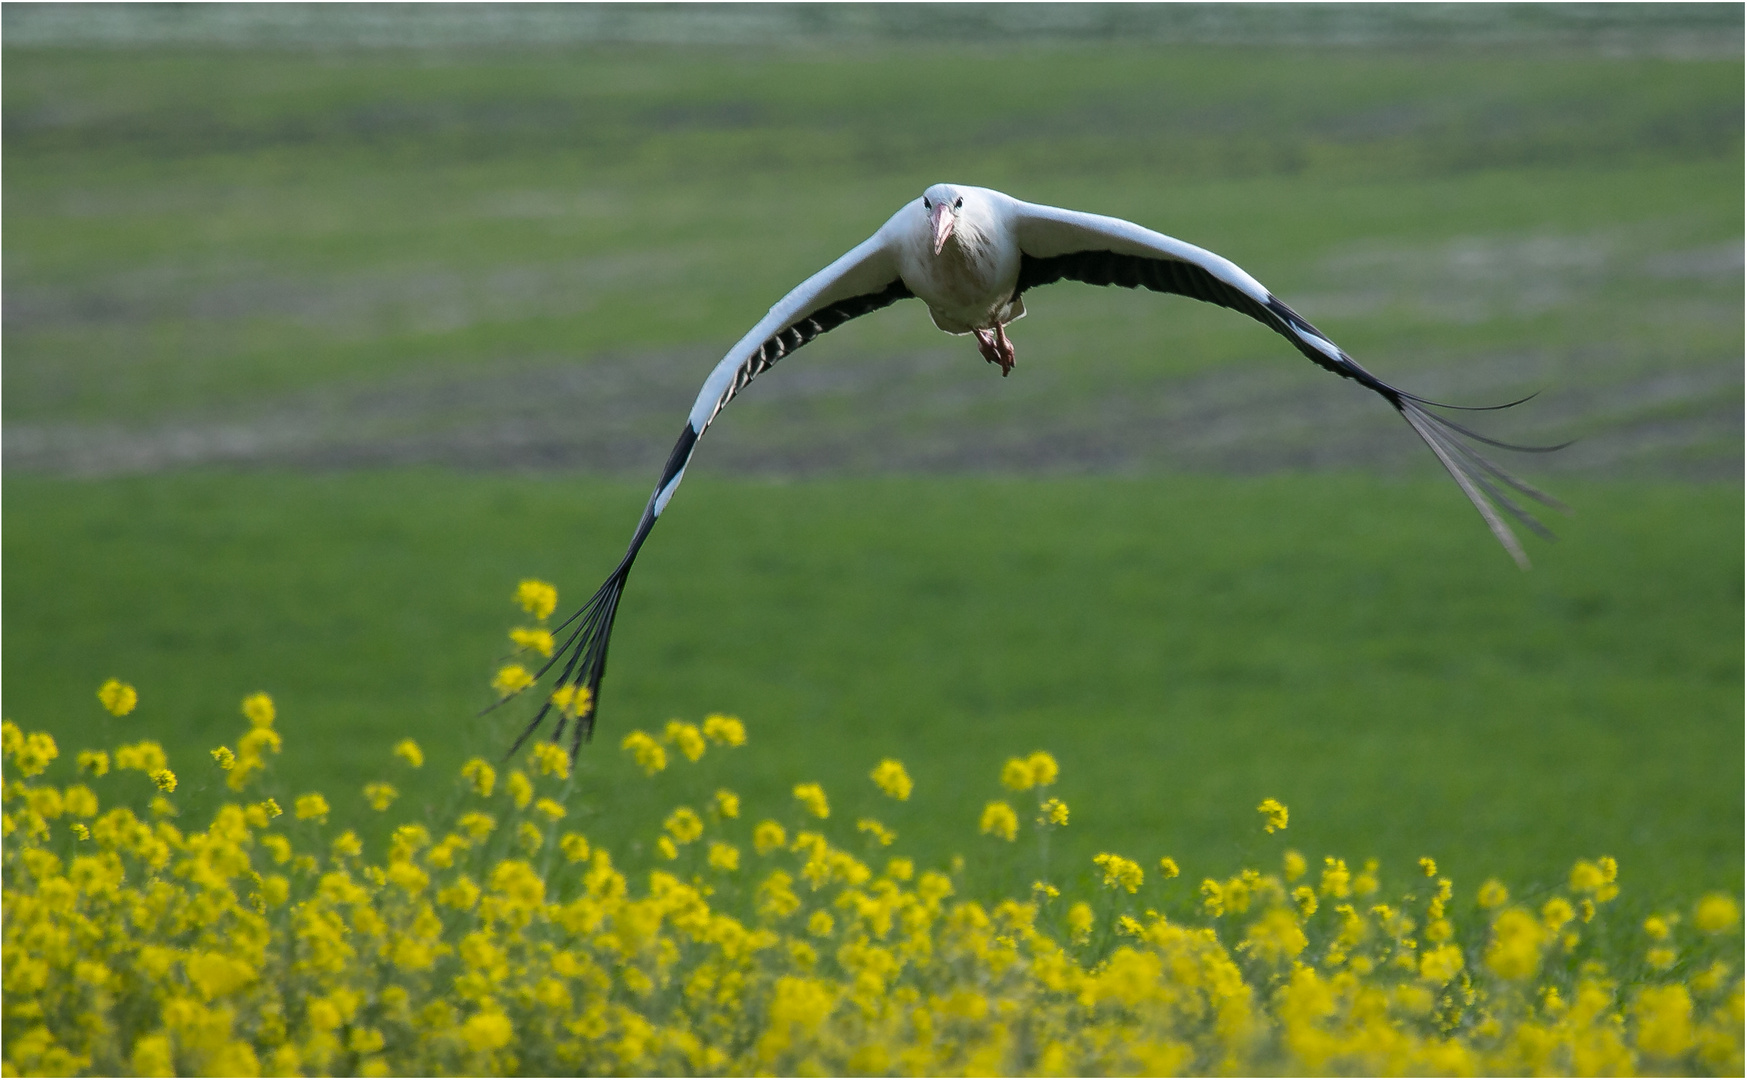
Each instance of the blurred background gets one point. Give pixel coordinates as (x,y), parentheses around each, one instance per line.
(325,325)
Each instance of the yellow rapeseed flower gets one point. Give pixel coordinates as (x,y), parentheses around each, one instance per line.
(812,796)
(1515,949)
(380,796)
(1555,913)
(1168,868)
(1711,979)
(999,820)
(1293,865)
(479,773)
(686,738)
(550,809)
(1119,872)
(258,708)
(1365,882)
(726,730)
(537,598)
(310,806)
(1441,964)
(33,752)
(1275,937)
(725,857)
(1043,768)
(819,966)
(573,700)
(488,1031)
(1716,914)
(649,755)
(80,801)
(550,760)
(1080,921)
(117,697)
(1052,812)
(165,779)
(882,835)
(225,759)
(768,836)
(95,762)
(1336,880)
(890,777)
(511,679)
(476,824)
(727,803)
(520,788)
(534,639)
(1212,897)
(1016,774)
(1493,894)
(147,757)
(1273,813)
(1664,1021)
(278,847)
(1657,927)
(1428,866)
(684,825)
(153,1056)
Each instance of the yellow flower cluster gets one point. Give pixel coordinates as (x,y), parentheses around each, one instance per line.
(1273,813)
(537,598)
(1000,821)
(889,776)
(118,697)
(1023,774)
(463,944)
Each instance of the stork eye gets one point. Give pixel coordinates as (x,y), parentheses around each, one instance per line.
(958,203)
(926,205)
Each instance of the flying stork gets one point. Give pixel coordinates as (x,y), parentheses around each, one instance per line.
(970,254)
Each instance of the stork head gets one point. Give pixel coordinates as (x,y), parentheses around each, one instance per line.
(943,204)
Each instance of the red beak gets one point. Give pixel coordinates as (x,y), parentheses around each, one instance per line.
(942,221)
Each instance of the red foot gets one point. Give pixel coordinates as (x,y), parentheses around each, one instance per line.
(996,348)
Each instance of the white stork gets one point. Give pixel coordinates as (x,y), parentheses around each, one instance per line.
(970,253)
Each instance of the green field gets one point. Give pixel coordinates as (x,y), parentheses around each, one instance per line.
(1186,646)
(312,354)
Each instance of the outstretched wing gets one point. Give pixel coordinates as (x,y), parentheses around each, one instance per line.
(1057,245)
(863,280)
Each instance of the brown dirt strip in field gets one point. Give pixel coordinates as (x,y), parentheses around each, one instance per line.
(933,411)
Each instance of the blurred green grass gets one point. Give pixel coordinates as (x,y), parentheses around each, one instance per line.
(202,234)
(1186,646)
(210,240)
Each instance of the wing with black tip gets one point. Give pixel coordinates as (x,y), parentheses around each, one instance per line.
(1066,245)
(862,281)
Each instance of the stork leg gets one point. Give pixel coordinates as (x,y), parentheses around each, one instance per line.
(996,348)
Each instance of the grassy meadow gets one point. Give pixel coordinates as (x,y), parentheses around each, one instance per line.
(311,355)
(1185,645)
